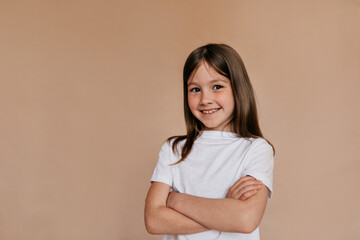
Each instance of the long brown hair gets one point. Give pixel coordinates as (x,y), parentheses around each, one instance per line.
(227,62)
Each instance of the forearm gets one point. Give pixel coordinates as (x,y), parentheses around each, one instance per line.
(228,215)
(164,220)
(160,219)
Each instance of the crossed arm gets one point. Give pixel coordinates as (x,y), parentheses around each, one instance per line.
(178,213)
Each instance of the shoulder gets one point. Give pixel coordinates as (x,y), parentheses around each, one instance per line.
(259,147)
(259,144)
(165,150)
(170,150)
(166,145)
(174,143)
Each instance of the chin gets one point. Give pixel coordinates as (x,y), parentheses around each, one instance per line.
(210,128)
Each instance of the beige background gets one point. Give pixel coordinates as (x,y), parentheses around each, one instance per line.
(90,89)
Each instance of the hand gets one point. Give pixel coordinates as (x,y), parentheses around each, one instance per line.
(244,188)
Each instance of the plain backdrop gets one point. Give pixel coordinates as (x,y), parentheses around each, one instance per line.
(89,90)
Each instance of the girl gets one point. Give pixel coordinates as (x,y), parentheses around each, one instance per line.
(221,171)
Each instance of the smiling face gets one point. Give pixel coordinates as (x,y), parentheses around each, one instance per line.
(210,98)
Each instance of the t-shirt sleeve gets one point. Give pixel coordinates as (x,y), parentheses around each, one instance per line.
(162,172)
(260,163)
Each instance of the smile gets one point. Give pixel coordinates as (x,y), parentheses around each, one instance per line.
(210,111)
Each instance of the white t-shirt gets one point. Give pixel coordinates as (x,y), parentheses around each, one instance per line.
(216,161)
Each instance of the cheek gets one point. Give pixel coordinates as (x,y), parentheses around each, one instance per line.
(227,100)
(193,102)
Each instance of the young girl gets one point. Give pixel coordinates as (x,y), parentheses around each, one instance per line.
(221,171)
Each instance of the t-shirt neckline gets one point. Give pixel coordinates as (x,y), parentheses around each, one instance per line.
(209,134)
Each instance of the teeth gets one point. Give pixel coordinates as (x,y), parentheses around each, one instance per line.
(211,111)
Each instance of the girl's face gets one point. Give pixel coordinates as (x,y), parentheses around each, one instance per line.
(210,98)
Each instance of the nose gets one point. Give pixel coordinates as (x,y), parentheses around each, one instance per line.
(206,98)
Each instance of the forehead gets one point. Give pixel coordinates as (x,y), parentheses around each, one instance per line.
(205,73)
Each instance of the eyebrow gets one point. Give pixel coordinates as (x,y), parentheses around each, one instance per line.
(219,79)
(212,81)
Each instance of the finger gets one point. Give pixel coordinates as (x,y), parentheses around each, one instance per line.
(234,195)
(241,189)
(248,194)
(248,188)
(242,179)
(245,184)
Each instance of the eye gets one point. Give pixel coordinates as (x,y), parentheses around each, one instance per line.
(195,90)
(216,87)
